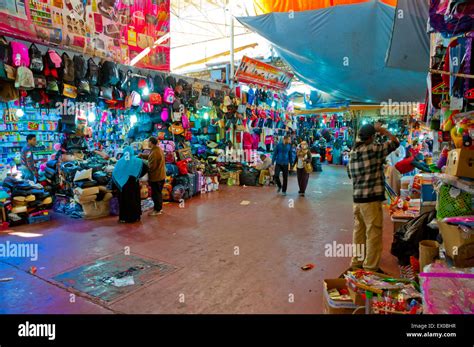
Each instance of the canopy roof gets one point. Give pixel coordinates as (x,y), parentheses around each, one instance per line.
(269,6)
(360,52)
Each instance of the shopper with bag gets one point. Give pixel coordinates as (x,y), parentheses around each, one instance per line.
(282,157)
(125,176)
(303,166)
(366,170)
(156,175)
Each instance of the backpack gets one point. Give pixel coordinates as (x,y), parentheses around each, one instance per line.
(36,59)
(8,92)
(167,146)
(53,60)
(109,75)
(92,72)
(164,114)
(20,55)
(67,68)
(24,78)
(80,67)
(159,83)
(169,96)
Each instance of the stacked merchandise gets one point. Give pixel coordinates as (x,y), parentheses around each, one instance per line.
(384,294)
(27,202)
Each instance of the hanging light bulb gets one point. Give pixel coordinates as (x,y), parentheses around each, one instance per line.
(91,117)
(206,115)
(20,113)
(146,91)
(133,120)
(364,122)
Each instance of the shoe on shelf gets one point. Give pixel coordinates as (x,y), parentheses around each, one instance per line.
(155,213)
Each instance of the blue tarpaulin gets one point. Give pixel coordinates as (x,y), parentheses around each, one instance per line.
(344,50)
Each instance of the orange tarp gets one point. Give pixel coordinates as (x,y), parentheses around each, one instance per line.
(268,6)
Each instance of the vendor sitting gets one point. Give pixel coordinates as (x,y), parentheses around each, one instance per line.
(263,167)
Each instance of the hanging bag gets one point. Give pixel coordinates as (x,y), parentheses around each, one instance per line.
(92,72)
(36,59)
(67,69)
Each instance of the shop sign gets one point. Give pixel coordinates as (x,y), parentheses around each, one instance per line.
(252,71)
(115,30)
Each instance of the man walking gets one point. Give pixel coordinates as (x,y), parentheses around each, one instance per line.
(156,175)
(28,165)
(366,170)
(282,157)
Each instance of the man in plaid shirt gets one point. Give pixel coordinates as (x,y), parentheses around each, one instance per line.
(366,170)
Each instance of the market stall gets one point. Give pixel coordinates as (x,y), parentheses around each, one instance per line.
(83,112)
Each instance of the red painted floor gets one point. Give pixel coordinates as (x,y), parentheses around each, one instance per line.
(274,237)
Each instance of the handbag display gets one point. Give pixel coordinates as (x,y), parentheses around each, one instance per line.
(69,91)
(185,153)
(176,129)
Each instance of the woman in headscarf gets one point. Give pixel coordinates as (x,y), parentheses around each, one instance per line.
(125,176)
(303,155)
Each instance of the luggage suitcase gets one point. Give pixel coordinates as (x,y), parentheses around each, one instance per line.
(192,184)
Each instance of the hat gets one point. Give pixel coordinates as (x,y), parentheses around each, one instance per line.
(30,198)
(366,131)
(47,201)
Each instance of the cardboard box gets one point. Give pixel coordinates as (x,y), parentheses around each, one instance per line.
(96,209)
(460,163)
(454,238)
(335,306)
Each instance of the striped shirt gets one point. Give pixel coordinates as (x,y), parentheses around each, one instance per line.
(366,170)
(28,159)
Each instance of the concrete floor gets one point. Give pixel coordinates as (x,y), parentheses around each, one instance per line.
(273,236)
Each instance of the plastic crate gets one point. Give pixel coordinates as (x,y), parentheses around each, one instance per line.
(39,219)
(452,203)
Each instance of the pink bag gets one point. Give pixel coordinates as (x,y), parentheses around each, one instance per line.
(185,121)
(147,107)
(169,95)
(20,55)
(167,146)
(164,114)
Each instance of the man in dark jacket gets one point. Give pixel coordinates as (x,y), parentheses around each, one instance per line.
(282,157)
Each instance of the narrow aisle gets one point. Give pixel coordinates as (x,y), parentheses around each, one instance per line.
(231,258)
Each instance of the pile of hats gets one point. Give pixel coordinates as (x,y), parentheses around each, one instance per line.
(26,197)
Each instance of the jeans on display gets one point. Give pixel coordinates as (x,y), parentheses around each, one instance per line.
(284,169)
(156,195)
